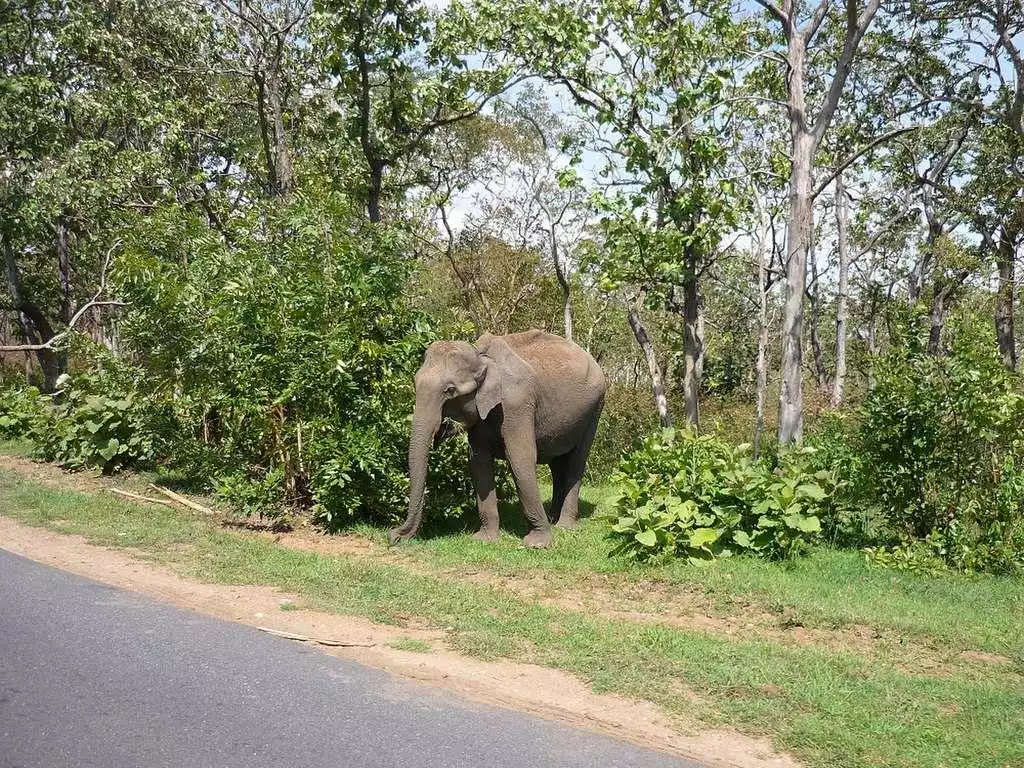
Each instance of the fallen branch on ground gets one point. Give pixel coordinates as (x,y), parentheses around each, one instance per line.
(318,640)
(139,497)
(182,500)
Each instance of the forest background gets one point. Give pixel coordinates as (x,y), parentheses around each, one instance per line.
(788,232)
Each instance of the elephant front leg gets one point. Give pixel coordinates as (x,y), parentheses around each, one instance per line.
(481,470)
(522,458)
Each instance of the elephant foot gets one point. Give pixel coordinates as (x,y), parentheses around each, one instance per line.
(485,534)
(568,523)
(538,539)
(396,535)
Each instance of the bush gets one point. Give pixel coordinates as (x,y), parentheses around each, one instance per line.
(85,424)
(286,358)
(683,495)
(933,457)
(20,407)
(627,415)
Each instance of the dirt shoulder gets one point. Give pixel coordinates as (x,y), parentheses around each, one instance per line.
(544,692)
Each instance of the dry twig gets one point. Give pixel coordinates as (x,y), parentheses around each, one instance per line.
(318,640)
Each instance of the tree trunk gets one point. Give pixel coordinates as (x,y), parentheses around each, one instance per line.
(762,346)
(937,319)
(282,157)
(814,296)
(373,194)
(842,309)
(563,282)
(798,233)
(67,309)
(265,139)
(644,340)
(805,138)
(1004,298)
(692,345)
(35,324)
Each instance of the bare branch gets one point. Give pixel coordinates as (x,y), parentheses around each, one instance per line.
(777,13)
(856,26)
(860,153)
(814,24)
(95,301)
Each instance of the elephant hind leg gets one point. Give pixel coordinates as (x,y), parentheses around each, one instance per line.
(566,499)
(559,485)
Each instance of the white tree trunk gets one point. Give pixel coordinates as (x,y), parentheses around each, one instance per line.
(842,309)
(763,287)
(644,340)
(798,233)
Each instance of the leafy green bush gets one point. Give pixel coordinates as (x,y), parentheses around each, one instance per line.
(19,409)
(260,497)
(287,357)
(683,495)
(84,425)
(932,459)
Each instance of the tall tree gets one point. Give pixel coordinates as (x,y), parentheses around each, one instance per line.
(85,148)
(656,79)
(801,27)
(401,75)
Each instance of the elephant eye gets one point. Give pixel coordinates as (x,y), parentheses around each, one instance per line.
(449,391)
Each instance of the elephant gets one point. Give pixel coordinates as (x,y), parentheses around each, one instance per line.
(529,398)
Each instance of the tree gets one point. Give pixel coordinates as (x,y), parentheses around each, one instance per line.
(800,30)
(85,148)
(655,79)
(400,77)
(260,41)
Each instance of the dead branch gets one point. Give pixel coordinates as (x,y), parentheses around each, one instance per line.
(318,640)
(95,301)
(183,501)
(139,497)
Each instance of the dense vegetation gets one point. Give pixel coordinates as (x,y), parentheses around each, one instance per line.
(230,229)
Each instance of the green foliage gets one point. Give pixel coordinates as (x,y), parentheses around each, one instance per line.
(19,409)
(684,495)
(627,414)
(933,458)
(88,422)
(260,496)
(287,359)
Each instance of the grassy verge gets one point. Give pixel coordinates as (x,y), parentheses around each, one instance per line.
(829,589)
(829,706)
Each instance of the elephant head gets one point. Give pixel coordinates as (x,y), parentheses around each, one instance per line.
(456,380)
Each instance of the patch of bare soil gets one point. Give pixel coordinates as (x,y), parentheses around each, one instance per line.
(544,692)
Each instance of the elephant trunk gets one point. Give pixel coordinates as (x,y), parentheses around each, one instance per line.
(426,420)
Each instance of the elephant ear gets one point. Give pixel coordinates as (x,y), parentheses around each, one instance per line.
(505,374)
(488,394)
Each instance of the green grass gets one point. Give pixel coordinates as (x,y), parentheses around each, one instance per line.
(410,644)
(16,447)
(829,707)
(828,589)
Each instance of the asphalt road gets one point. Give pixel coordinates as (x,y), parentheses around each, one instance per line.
(93,676)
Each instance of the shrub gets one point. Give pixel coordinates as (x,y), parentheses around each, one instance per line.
(627,415)
(286,358)
(20,407)
(683,495)
(933,459)
(84,424)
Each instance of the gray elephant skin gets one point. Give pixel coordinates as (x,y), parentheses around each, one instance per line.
(528,398)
